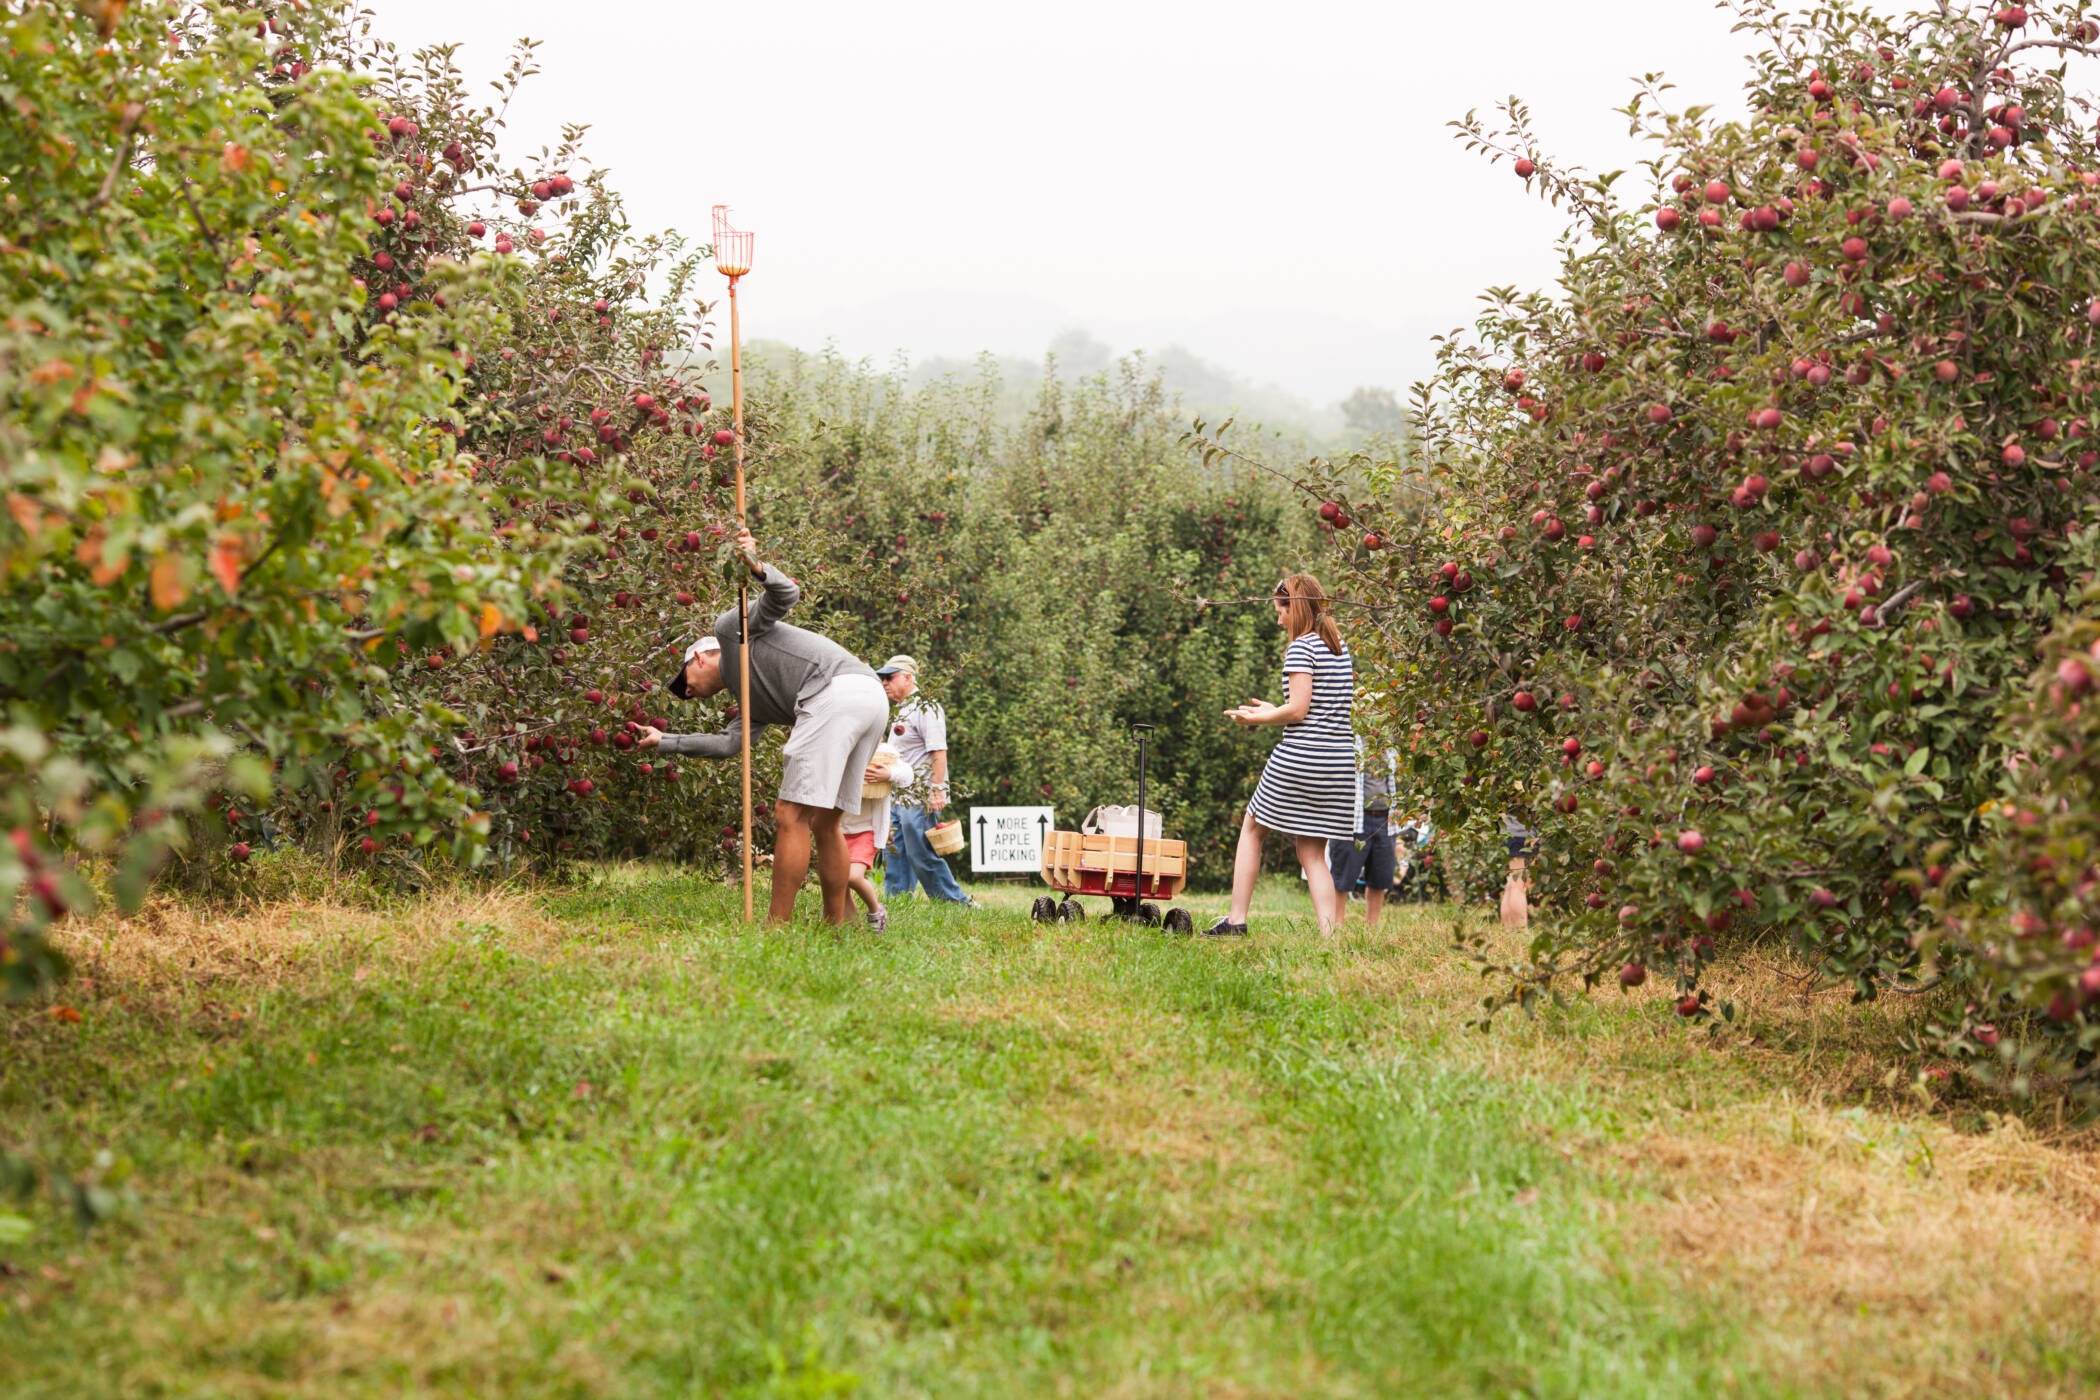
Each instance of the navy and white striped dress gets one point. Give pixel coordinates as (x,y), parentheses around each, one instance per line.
(1309,785)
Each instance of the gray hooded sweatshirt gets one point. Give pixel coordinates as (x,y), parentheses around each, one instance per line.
(789,665)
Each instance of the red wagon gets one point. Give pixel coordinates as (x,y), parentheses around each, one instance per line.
(1090,863)
(1094,862)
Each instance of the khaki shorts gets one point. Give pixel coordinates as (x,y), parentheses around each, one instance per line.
(836,731)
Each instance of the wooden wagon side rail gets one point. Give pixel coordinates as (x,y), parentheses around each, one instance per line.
(1080,863)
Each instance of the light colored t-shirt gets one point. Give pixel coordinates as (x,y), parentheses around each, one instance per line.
(919,731)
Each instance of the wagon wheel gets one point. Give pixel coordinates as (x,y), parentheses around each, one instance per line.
(1148,914)
(1071,913)
(1178,921)
(1043,911)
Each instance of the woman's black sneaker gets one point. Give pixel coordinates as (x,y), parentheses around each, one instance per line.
(1225,928)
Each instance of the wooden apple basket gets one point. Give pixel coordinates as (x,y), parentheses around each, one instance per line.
(946,839)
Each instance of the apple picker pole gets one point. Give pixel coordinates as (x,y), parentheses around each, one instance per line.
(733,260)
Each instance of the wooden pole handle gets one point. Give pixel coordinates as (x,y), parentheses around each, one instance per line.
(743,598)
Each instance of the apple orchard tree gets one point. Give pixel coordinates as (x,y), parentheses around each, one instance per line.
(1729,562)
(339,507)
(229,483)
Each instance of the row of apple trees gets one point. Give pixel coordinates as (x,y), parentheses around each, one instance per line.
(1751,565)
(359,485)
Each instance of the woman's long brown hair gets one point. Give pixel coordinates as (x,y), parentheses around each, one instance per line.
(1307,610)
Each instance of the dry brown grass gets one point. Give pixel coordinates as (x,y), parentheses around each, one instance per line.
(1851,1235)
(1876,1247)
(1207,1119)
(170,941)
(1055,1011)
(1121,1081)
(1787,1026)
(425,1330)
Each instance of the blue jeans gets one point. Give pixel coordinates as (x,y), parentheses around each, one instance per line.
(912,862)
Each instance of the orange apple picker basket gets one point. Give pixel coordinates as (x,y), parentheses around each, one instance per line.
(732,250)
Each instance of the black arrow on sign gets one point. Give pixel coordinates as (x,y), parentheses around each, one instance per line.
(982,823)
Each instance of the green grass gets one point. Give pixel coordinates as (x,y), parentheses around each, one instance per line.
(664,1156)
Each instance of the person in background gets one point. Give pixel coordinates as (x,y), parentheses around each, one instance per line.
(1370,853)
(1421,880)
(919,734)
(1308,788)
(859,829)
(1523,844)
(802,679)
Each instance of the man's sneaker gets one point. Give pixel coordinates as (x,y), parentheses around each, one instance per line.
(879,919)
(966,902)
(1225,928)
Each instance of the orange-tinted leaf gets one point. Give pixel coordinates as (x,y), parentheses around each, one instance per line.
(168,585)
(27,513)
(110,569)
(491,620)
(226,562)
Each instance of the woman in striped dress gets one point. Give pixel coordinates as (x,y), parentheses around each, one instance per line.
(1308,788)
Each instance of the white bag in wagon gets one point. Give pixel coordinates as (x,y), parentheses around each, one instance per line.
(1120,821)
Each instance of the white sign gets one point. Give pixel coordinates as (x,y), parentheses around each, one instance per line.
(1009,838)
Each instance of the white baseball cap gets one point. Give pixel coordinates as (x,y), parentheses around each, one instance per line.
(676,685)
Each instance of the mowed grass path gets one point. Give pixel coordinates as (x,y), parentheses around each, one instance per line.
(609,1144)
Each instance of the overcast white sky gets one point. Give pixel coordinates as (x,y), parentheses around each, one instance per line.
(1271,185)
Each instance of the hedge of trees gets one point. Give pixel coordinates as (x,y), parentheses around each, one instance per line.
(1754,560)
(1080,572)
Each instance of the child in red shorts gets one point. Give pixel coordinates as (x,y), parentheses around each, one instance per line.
(859,829)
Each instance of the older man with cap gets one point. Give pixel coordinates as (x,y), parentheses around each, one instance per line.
(836,706)
(919,734)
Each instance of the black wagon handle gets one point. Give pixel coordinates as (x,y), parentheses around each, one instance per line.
(1143,732)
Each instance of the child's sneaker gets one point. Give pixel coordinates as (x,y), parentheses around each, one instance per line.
(879,918)
(1225,928)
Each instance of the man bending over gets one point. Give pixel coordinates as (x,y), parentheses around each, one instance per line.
(838,711)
